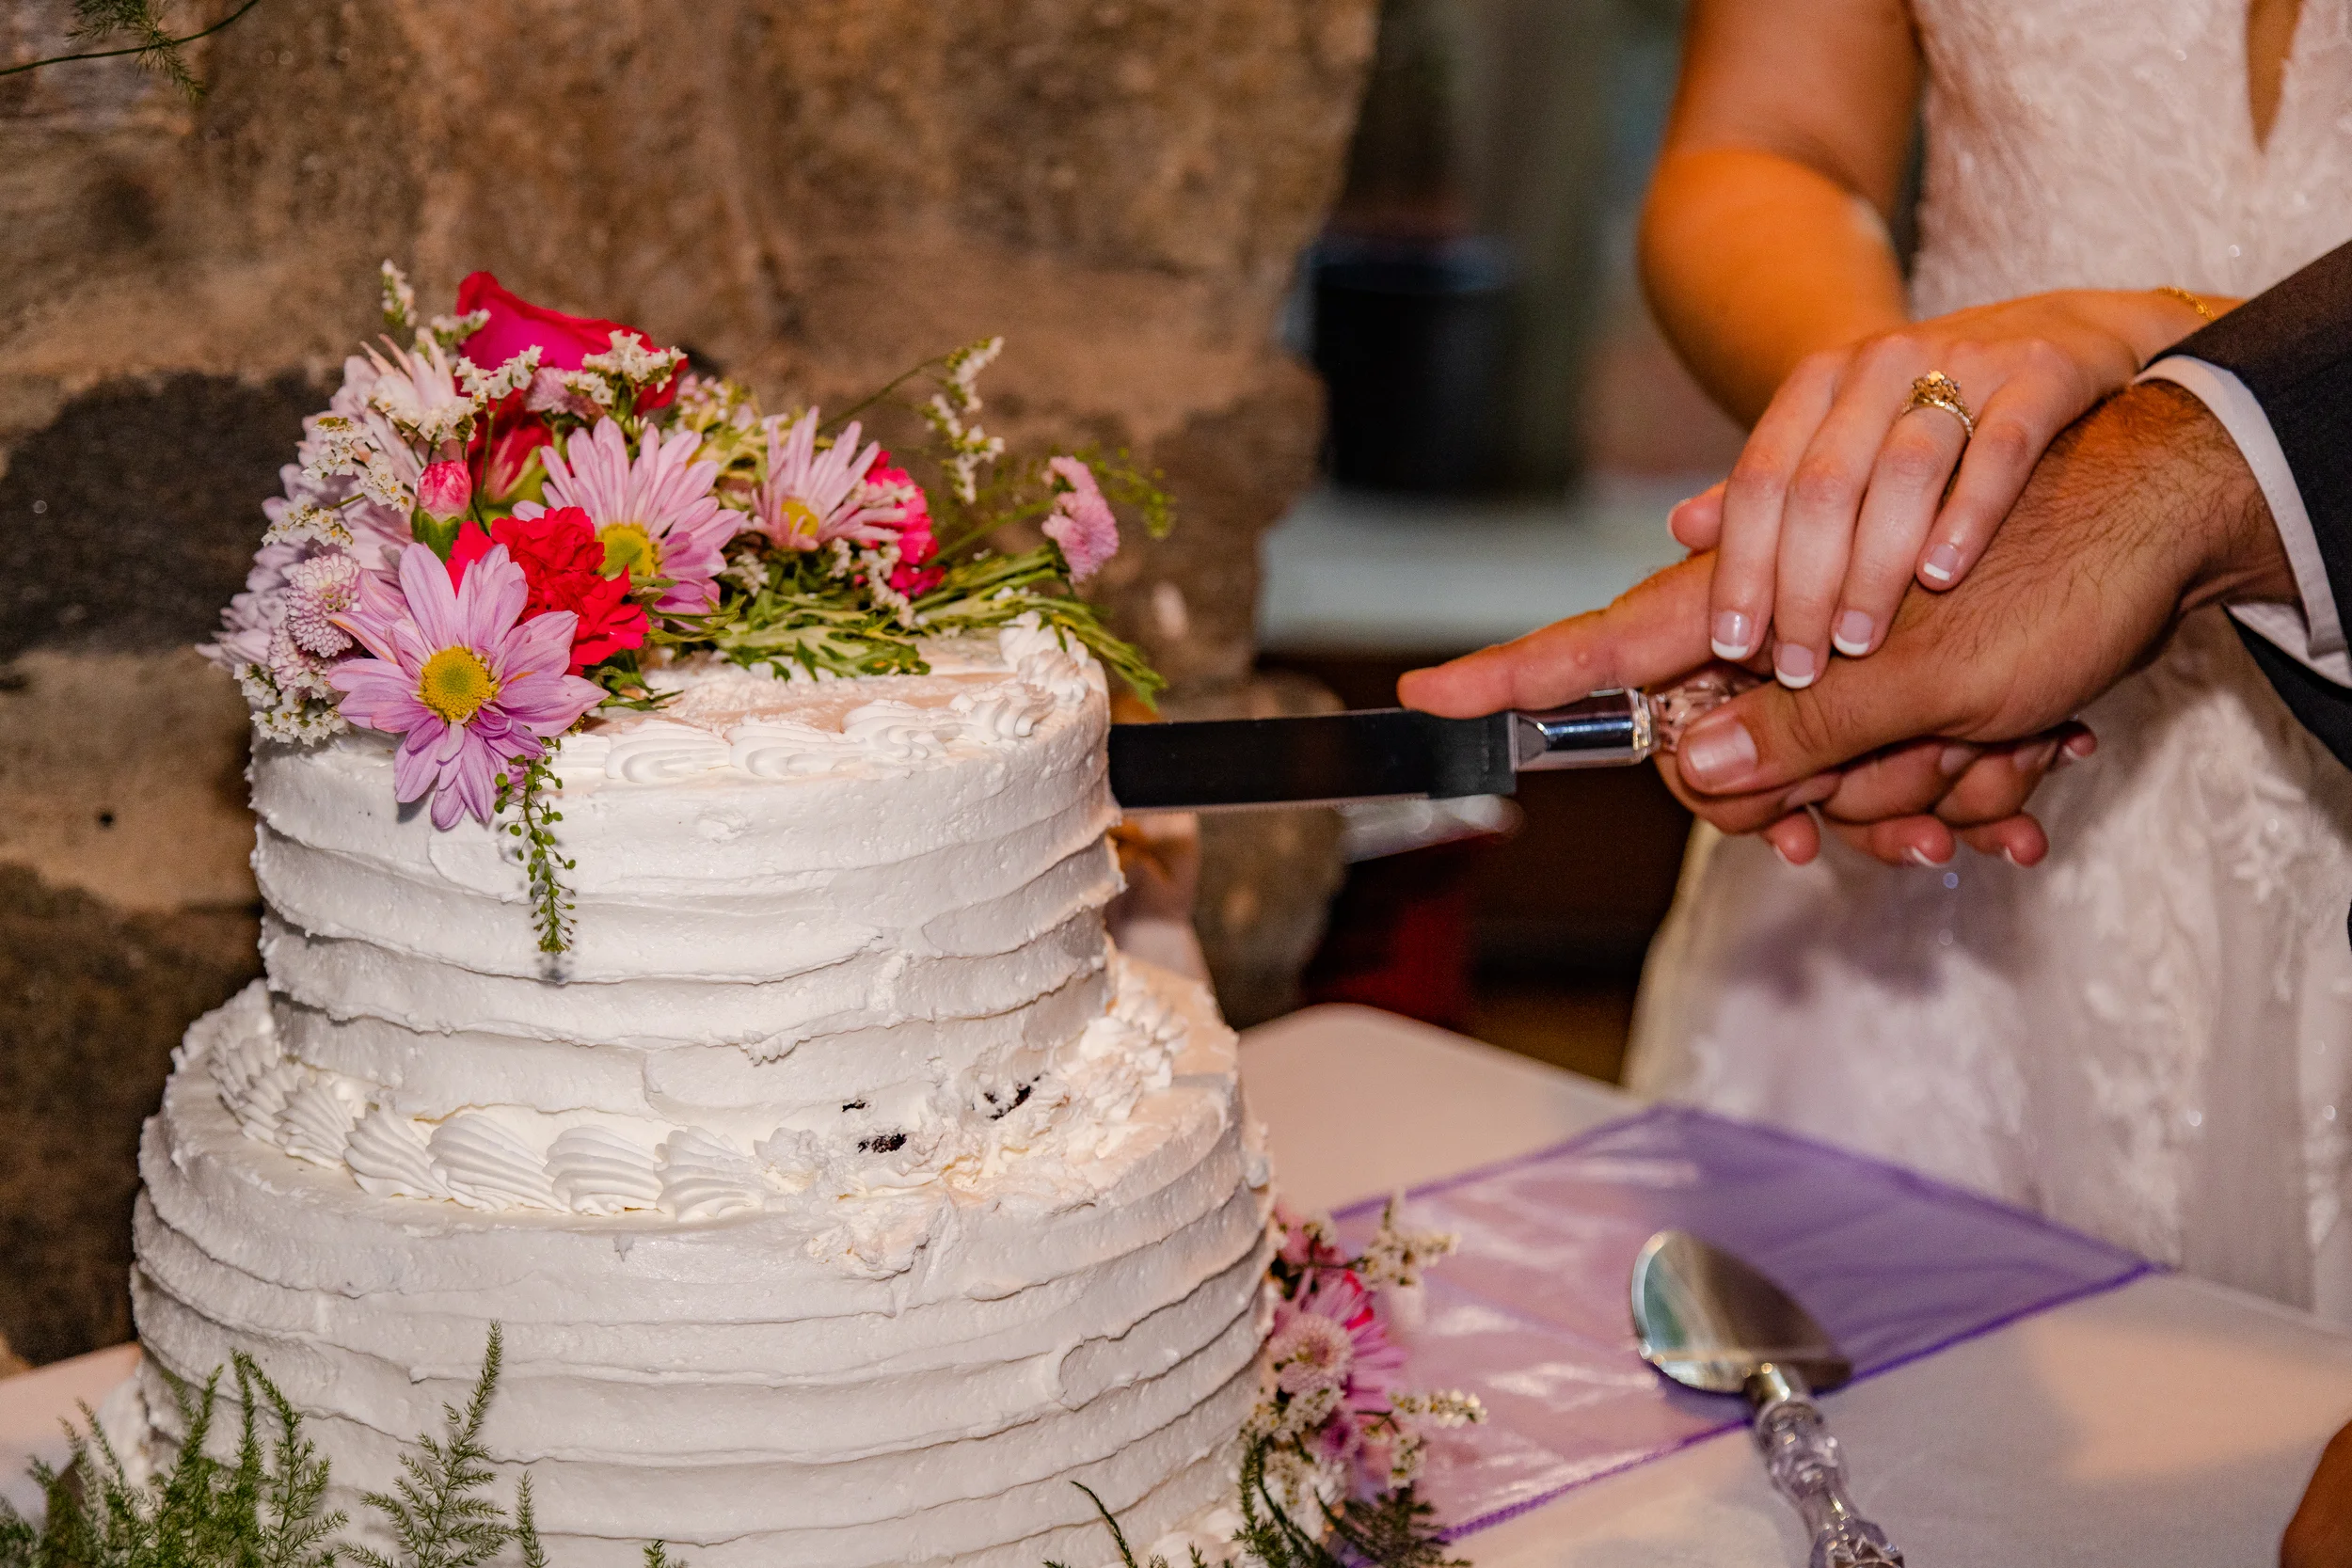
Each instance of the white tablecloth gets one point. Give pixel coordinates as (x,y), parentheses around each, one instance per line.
(2168,1422)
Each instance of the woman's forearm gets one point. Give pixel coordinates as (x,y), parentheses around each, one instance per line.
(1754,260)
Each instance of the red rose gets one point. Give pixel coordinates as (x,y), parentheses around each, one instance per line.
(564,341)
(563,563)
(917,542)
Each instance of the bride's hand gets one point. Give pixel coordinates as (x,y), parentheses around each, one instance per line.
(1845,492)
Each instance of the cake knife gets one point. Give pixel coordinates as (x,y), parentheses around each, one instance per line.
(1393,752)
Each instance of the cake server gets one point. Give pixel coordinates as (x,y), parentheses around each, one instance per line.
(1711,1321)
(1394,752)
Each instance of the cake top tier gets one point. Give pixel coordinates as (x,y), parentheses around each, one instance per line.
(752,830)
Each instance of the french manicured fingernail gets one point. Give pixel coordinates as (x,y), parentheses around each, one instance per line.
(1852,635)
(1917,856)
(1814,790)
(2076,749)
(1718,753)
(1785,858)
(1941,565)
(1953,760)
(1734,635)
(2033,759)
(1795,666)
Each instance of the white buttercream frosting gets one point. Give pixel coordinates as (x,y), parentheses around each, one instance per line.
(842,1195)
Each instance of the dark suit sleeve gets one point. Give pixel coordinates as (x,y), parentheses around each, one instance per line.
(2292,348)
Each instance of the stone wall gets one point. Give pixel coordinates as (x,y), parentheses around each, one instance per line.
(809,193)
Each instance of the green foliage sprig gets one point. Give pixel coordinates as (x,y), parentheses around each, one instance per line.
(439,1512)
(1397,1528)
(626,685)
(1118,1538)
(264,1507)
(261,1510)
(535,823)
(158,51)
(985,592)
(792,622)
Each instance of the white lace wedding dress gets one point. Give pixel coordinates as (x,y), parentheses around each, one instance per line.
(2149,1036)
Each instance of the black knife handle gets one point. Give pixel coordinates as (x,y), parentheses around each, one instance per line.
(1331,757)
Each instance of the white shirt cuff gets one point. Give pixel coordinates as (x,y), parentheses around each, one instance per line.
(2312,634)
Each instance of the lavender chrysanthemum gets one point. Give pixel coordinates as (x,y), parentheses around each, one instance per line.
(811,498)
(655,515)
(466,688)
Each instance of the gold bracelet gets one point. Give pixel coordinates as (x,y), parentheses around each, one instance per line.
(2173,291)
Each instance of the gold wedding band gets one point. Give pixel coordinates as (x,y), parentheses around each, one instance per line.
(1937,391)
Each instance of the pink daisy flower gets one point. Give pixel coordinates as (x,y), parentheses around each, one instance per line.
(656,516)
(466,688)
(1082,523)
(1367,1369)
(811,498)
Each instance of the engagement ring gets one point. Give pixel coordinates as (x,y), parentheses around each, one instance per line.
(1937,391)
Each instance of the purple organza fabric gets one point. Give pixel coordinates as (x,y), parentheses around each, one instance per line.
(1532,1314)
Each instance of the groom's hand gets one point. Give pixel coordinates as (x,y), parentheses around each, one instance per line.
(1655,632)
(2140,512)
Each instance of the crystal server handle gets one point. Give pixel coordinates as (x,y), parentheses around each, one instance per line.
(1806,1465)
(1612,728)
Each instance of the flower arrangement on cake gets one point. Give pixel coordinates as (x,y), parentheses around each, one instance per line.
(1326,1477)
(507,516)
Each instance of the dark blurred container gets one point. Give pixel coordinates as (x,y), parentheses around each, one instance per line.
(1413,337)
(1453,294)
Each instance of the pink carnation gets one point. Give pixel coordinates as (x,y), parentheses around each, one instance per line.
(1082,523)
(914,576)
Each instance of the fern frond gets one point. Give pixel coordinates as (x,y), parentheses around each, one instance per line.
(289,1530)
(157,50)
(437,1513)
(527,1543)
(1118,1537)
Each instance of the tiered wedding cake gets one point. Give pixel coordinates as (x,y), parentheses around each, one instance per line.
(842,1195)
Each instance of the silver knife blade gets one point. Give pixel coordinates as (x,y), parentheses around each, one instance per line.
(1366,755)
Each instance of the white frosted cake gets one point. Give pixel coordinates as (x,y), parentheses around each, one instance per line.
(842,1194)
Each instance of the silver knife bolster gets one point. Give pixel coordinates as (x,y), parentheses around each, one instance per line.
(1604,730)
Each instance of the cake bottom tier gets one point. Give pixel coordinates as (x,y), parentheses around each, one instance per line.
(726,1385)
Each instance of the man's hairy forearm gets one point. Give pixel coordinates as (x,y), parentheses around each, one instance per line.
(2196,503)
(2147,491)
